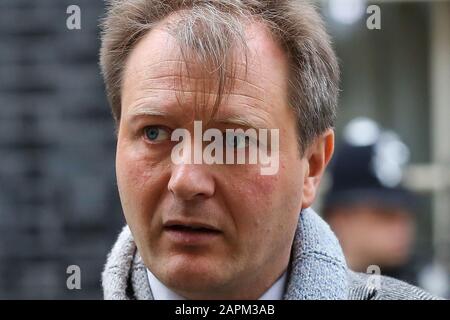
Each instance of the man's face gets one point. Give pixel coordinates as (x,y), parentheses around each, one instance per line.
(254,216)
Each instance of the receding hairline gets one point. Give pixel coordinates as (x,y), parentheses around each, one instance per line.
(237,68)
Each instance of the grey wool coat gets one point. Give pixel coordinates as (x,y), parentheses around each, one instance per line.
(317,270)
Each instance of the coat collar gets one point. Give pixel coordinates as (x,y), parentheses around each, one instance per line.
(317,269)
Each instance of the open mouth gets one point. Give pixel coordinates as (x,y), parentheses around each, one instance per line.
(191,229)
(191,234)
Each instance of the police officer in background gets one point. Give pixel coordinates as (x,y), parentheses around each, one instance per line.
(372,215)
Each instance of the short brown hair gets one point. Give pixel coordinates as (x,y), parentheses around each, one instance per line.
(212,27)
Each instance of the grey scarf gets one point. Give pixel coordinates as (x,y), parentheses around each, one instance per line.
(317,269)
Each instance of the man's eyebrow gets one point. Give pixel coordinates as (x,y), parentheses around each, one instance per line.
(146,110)
(254,122)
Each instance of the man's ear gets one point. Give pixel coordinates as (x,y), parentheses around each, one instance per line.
(317,156)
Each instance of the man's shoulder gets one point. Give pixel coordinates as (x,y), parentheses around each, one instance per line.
(373,287)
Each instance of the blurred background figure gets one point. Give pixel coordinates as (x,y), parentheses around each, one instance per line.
(370,211)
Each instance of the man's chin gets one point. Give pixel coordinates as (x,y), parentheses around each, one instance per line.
(184,274)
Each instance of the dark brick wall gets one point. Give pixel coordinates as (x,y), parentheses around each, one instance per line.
(58,199)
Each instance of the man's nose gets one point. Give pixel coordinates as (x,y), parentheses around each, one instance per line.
(191,181)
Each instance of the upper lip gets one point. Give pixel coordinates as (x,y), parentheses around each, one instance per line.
(190,224)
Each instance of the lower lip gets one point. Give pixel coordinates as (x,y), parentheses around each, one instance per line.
(191,237)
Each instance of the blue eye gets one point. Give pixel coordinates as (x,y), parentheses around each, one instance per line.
(155,133)
(237,141)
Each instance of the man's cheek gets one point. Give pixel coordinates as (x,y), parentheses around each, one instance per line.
(136,193)
(134,171)
(255,199)
(261,187)
(139,193)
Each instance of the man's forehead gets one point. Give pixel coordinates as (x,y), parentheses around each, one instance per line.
(167,69)
(157,70)
(158,52)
